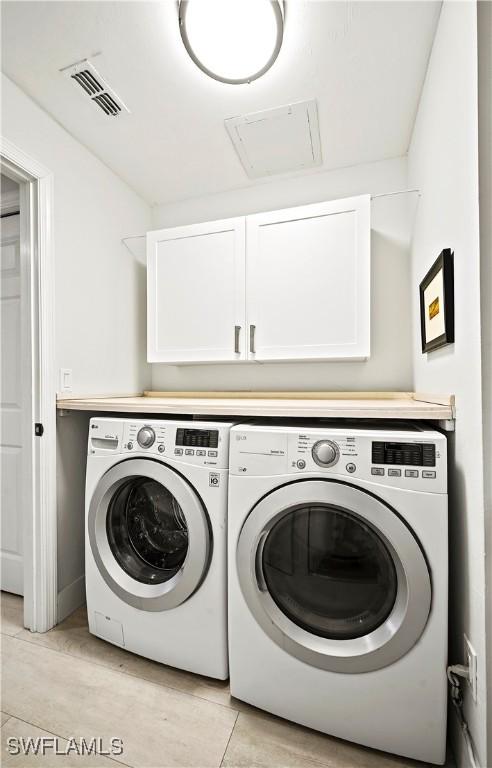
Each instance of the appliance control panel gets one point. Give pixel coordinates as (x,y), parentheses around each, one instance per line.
(197,438)
(199,443)
(411,454)
(416,460)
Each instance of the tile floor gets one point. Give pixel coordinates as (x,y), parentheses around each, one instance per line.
(68,683)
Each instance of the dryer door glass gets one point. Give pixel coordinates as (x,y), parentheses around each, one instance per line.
(329,572)
(147,530)
(334,575)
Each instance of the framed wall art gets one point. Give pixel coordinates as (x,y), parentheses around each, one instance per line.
(437,303)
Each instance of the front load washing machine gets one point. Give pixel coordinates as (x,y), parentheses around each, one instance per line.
(338,580)
(156,503)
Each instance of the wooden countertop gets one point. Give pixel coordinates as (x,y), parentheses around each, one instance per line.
(357,405)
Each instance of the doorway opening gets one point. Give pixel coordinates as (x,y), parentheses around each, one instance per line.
(12,394)
(28,393)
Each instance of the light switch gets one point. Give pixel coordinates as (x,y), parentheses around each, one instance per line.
(65,379)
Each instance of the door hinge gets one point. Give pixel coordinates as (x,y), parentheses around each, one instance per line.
(38,429)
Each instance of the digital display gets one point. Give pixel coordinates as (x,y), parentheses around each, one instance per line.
(197,438)
(410,454)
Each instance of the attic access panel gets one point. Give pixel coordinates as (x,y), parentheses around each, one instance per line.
(277,140)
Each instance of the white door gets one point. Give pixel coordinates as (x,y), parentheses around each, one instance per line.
(309,282)
(11,407)
(196,293)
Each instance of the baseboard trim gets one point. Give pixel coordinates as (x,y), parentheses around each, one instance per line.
(70,598)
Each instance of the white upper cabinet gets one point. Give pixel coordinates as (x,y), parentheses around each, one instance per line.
(309,282)
(283,285)
(195,293)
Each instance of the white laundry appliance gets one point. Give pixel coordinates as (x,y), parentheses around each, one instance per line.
(338,580)
(156,557)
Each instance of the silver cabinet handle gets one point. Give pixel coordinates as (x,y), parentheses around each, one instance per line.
(237,331)
(252,330)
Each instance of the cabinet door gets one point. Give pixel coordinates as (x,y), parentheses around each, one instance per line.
(196,293)
(309,282)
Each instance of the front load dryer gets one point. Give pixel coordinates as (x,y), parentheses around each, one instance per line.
(156,503)
(338,581)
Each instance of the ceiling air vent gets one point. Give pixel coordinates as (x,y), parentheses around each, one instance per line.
(85,75)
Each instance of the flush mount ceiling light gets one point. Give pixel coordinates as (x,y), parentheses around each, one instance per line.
(234,41)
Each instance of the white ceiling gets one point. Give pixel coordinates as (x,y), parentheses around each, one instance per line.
(364,62)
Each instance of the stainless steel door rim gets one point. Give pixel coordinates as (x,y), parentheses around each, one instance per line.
(171,593)
(399,631)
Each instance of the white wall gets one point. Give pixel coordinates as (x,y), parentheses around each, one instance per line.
(71,452)
(389,367)
(443,163)
(100,286)
(100,296)
(485,189)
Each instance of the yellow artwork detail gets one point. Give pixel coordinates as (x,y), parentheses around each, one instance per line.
(434,308)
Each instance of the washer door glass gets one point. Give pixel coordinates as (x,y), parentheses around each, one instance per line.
(147,531)
(149,534)
(329,572)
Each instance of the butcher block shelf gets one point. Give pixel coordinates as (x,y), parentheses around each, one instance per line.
(355,405)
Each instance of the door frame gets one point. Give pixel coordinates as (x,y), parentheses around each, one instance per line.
(39,384)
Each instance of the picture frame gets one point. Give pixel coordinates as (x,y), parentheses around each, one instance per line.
(437,303)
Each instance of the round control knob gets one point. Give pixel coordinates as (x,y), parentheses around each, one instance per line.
(161,448)
(146,437)
(325,453)
(301,464)
(130,445)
